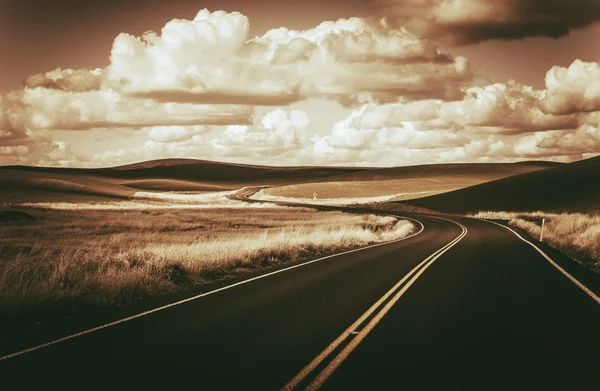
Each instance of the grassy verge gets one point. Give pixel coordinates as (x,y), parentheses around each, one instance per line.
(575,234)
(397,207)
(60,259)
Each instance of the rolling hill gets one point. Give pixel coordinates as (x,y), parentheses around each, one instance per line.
(408,182)
(19,185)
(573,187)
(37,184)
(44,184)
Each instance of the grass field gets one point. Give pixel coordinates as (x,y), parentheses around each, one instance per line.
(575,234)
(62,259)
(46,184)
(404,183)
(388,189)
(263,195)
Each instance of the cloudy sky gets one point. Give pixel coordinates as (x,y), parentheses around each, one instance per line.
(316,82)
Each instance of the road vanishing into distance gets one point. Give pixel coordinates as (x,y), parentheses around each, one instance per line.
(462,304)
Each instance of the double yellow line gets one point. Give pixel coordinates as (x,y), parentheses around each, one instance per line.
(359,333)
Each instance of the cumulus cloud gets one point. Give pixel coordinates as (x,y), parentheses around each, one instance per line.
(55,109)
(409,146)
(192,90)
(159,142)
(75,80)
(22,145)
(28,117)
(78,100)
(573,89)
(470,21)
(12,119)
(208,72)
(287,137)
(278,132)
(501,107)
(169,134)
(211,59)
(583,140)
(349,134)
(278,136)
(499,122)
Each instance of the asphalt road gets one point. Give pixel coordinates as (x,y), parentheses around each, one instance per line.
(463,305)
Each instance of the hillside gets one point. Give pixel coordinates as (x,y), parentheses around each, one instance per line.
(570,187)
(37,184)
(410,181)
(34,186)
(23,183)
(211,173)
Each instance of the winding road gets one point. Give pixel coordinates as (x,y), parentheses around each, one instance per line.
(463,304)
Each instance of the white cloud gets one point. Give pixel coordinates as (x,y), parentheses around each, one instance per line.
(278,132)
(21,145)
(584,140)
(498,107)
(211,59)
(278,136)
(170,134)
(75,80)
(499,122)
(55,109)
(574,89)
(66,99)
(193,91)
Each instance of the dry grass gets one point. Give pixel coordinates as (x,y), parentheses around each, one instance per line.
(262,195)
(575,234)
(371,189)
(68,258)
(403,183)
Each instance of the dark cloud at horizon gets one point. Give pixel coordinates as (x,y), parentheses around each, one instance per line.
(463,22)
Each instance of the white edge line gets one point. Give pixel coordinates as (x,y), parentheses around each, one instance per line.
(552,262)
(127,319)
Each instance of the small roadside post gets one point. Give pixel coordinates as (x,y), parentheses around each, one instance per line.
(542,231)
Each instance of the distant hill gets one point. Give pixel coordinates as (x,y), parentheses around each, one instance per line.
(212,173)
(30,186)
(483,171)
(23,183)
(39,184)
(569,187)
(410,181)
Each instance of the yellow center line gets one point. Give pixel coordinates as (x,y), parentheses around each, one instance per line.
(415,273)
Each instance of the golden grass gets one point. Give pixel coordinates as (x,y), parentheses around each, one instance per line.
(66,258)
(576,234)
(375,190)
(262,195)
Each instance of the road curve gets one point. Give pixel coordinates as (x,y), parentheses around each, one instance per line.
(464,305)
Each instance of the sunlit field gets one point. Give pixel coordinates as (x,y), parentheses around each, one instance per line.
(575,234)
(70,257)
(399,183)
(262,195)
